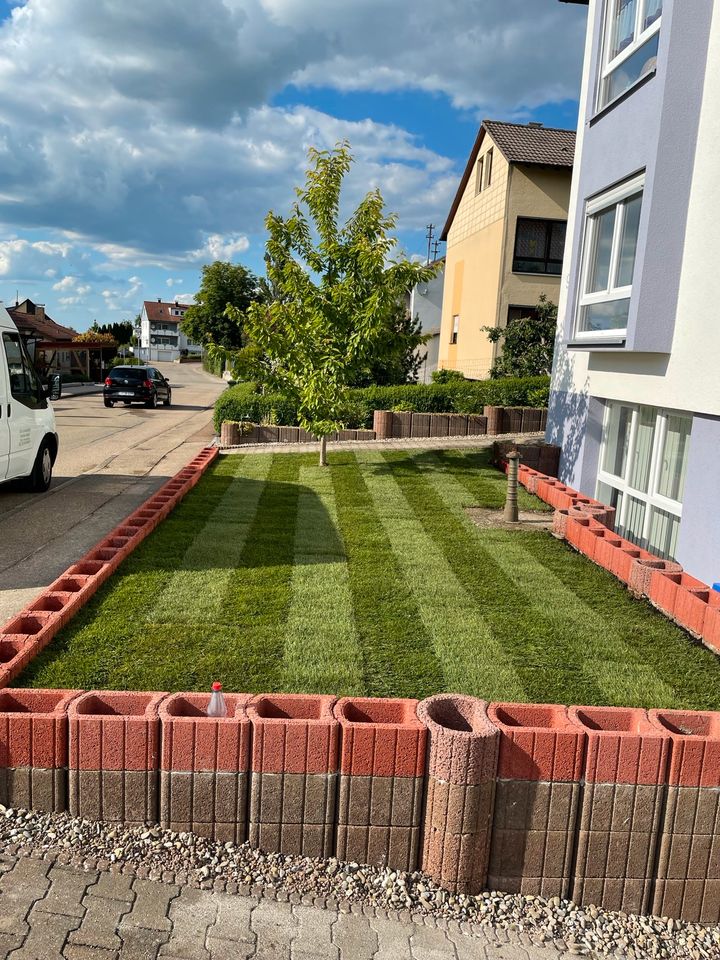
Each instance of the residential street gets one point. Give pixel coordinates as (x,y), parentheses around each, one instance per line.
(110,461)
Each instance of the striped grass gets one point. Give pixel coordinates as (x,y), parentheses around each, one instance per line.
(369,578)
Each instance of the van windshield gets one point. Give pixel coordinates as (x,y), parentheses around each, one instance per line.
(128,373)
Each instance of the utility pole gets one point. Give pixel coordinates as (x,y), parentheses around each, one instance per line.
(436,244)
(429,235)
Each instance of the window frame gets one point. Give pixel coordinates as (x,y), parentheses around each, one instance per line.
(35,399)
(455,329)
(640,38)
(479,167)
(651,498)
(610,198)
(488,157)
(548,239)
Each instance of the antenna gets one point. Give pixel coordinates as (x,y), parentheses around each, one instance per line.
(429,235)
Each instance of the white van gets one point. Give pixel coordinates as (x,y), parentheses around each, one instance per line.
(28,439)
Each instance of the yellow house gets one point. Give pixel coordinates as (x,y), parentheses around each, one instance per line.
(505,236)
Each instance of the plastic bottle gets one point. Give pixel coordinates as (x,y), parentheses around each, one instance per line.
(217,706)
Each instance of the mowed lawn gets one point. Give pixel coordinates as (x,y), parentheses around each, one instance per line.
(367,577)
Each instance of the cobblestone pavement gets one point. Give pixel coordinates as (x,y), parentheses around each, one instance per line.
(49,911)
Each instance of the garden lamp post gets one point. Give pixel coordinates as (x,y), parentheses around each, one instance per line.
(511,501)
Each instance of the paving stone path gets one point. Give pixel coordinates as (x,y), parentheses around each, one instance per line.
(50,911)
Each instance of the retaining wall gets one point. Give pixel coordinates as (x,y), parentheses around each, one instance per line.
(605,805)
(390,424)
(587,525)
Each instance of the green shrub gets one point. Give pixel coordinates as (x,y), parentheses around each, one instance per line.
(216,366)
(125,362)
(243,402)
(539,397)
(447,376)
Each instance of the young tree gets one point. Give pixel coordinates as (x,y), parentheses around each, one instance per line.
(336,292)
(527,343)
(223,284)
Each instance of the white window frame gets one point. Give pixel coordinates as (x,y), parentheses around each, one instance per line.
(611,198)
(640,37)
(488,158)
(651,498)
(455,329)
(479,174)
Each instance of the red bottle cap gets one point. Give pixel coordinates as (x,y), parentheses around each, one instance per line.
(217,686)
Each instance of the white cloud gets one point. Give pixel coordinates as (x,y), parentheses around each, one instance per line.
(67,283)
(145,130)
(174,281)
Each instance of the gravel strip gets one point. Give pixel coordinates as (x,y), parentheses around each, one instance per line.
(188,859)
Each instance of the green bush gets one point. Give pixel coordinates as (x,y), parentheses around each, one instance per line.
(447,376)
(244,402)
(125,362)
(216,367)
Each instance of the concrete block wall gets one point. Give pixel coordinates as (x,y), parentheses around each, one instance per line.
(537,799)
(604,805)
(382,776)
(205,767)
(389,424)
(587,525)
(114,756)
(293,786)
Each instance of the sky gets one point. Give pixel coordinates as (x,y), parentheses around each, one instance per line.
(139,141)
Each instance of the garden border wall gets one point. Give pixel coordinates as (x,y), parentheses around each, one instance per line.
(398,425)
(616,807)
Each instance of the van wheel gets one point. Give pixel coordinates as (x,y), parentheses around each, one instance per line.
(39,479)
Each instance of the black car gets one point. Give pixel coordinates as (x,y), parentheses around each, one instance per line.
(136,385)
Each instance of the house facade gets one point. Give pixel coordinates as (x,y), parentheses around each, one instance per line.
(160,335)
(425,303)
(505,237)
(635,399)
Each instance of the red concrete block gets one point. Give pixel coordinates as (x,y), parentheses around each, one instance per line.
(57,603)
(192,741)
(695,736)
(547,489)
(623,746)
(294,733)
(115,730)
(15,652)
(463,739)
(381,737)
(40,626)
(711,623)
(642,570)
(560,522)
(668,590)
(606,551)
(538,742)
(582,532)
(33,727)
(533,477)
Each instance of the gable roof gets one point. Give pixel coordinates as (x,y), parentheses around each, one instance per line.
(38,325)
(530,143)
(159,311)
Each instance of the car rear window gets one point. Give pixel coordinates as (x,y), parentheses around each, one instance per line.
(128,373)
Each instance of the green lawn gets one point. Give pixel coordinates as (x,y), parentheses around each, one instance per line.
(368,578)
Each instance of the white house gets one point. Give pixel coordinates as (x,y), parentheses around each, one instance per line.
(426,300)
(635,399)
(160,334)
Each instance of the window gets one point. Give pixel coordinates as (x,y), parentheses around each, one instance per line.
(488,167)
(539,246)
(455,326)
(611,235)
(632,35)
(24,383)
(521,313)
(479,176)
(643,463)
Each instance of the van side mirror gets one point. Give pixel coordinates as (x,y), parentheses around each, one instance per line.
(55,387)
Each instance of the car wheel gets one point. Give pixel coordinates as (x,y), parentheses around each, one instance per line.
(39,479)
(152,401)
(168,400)
(108,403)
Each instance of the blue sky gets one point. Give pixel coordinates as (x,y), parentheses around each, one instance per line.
(139,141)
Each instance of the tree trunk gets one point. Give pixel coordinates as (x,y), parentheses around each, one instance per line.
(323,451)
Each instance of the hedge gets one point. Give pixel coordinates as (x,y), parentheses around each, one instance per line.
(243,402)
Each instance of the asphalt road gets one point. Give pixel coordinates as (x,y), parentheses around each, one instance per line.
(110,461)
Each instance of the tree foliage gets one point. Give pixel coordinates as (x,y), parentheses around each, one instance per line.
(397,357)
(335,293)
(527,349)
(121,332)
(223,284)
(93,335)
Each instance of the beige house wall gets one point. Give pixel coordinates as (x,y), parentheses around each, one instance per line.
(472,269)
(480,285)
(534,192)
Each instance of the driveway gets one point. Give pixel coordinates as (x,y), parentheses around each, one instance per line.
(110,461)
